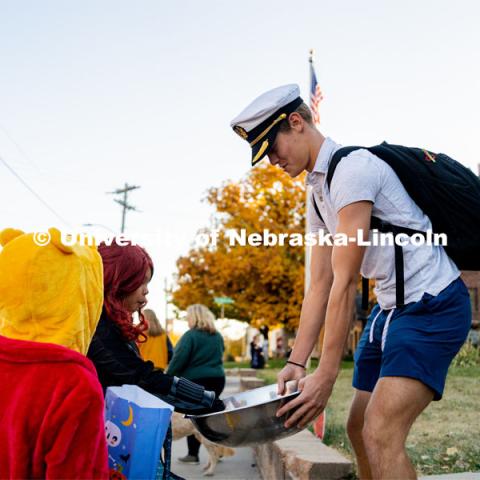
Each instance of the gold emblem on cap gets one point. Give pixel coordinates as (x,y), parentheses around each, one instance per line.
(281,117)
(259,154)
(240,131)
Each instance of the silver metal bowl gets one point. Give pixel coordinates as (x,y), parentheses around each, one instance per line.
(249,418)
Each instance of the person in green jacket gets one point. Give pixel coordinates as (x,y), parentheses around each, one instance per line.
(198,356)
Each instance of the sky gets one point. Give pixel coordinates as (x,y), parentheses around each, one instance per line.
(94,94)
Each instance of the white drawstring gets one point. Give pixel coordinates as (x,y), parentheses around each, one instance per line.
(385,328)
(373,326)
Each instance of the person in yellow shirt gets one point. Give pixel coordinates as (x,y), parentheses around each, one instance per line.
(158,348)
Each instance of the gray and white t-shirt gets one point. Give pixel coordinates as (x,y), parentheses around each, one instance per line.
(363,176)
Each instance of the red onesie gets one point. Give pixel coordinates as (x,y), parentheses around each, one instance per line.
(51,413)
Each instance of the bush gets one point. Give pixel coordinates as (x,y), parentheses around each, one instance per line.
(468,356)
(229,357)
(234,348)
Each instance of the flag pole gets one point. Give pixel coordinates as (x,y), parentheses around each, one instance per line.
(308,250)
(315,96)
(307,193)
(315,99)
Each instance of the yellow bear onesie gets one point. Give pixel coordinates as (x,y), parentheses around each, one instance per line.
(51,297)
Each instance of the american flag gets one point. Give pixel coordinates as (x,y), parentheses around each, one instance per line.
(315,95)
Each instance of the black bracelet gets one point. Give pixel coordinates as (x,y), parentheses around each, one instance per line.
(297,364)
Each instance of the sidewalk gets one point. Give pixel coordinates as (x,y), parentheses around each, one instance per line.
(454,476)
(239,467)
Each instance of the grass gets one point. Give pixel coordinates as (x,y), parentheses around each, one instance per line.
(444,439)
(275,364)
(272,364)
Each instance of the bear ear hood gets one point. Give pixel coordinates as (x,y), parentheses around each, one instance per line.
(8,234)
(49,292)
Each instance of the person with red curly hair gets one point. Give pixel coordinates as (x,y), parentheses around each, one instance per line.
(128,270)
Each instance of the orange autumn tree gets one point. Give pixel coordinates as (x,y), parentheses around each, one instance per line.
(265,282)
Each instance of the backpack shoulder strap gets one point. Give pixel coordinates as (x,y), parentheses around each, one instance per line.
(376,223)
(315,206)
(337,156)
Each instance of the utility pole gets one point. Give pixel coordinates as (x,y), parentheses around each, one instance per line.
(124,202)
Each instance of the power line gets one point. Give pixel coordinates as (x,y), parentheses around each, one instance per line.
(18,147)
(33,192)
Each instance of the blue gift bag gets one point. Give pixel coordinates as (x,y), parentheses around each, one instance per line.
(136,423)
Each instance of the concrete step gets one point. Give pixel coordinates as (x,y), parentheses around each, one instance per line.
(301,457)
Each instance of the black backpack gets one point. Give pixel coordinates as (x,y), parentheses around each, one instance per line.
(446,191)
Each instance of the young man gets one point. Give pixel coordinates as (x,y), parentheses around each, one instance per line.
(405,351)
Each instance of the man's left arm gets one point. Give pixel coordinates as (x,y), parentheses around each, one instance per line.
(317,387)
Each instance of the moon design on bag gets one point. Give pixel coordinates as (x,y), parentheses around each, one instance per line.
(129,420)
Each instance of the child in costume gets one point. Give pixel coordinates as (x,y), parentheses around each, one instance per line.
(51,403)
(127,271)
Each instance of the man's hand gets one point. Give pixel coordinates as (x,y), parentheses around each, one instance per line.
(315,392)
(289,372)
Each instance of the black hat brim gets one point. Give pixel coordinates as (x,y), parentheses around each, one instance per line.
(261,149)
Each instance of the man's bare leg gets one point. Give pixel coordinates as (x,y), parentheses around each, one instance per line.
(393,407)
(354,429)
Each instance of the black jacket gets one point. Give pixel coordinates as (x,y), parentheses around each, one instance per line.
(118,361)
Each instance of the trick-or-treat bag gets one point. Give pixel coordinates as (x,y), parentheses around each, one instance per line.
(136,423)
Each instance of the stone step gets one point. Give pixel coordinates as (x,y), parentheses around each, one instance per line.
(301,457)
(248,383)
(247,372)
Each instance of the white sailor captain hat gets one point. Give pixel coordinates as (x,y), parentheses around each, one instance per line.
(258,123)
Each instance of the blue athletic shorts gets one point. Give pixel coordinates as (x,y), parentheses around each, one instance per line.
(420,340)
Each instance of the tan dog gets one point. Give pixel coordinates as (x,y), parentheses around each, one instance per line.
(182,427)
